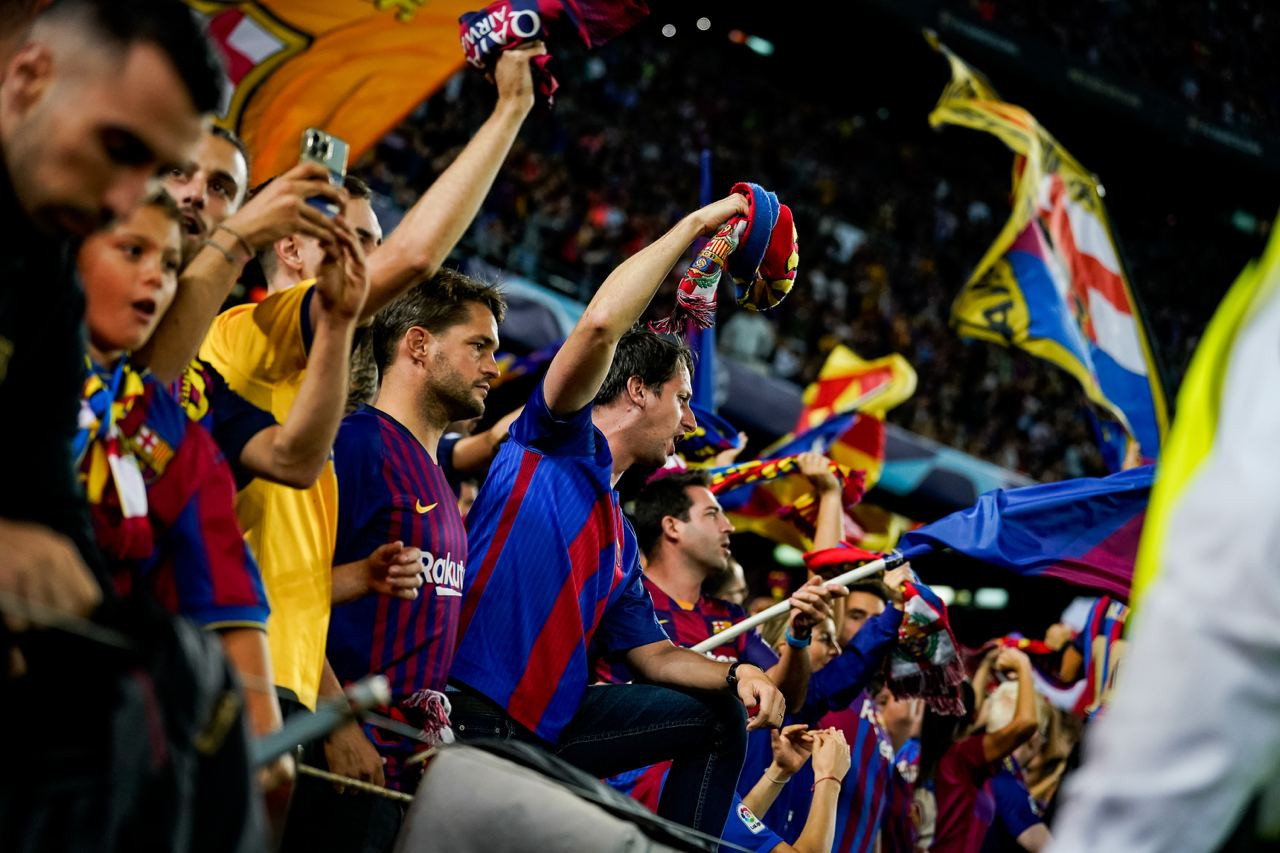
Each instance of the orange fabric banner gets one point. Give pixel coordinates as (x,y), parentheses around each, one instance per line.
(353,68)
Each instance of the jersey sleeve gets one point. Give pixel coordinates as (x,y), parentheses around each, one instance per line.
(969,759)
(835,685)
(233,420)
(355,459)
(743,829)
(629,621)
(538,429)
(1015,806)
(217,581)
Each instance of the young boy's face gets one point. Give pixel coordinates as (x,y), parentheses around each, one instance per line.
(130,275)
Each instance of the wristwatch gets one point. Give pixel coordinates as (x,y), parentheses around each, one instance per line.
(731,677)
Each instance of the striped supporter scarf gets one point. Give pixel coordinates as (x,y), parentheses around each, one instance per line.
(925,662)
(109,472)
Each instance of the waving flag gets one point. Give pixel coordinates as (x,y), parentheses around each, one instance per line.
(353,68)
(772,498)
(848,383)
(854,439)
(844,409)
(1052,283)
(1083,531)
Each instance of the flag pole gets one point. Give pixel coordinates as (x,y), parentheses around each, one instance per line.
(703,341)
(852,576)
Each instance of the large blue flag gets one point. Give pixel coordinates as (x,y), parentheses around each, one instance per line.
(1083,531)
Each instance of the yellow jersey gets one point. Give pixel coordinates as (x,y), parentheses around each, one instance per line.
(261,351)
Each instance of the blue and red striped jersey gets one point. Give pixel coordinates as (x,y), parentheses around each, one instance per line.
(554,567)
(689,624)
(200,566)
(865,790)
(389,489)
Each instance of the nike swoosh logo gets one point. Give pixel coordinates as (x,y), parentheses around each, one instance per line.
(423,510)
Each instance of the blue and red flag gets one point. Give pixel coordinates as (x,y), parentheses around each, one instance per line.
(1083,531)
(514,366)
(713,436)
(1053,283)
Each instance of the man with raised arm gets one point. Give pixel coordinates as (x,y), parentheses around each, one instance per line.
(554,570)
(262,352)
(410,254)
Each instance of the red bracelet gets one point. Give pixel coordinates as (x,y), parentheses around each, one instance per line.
(814,786)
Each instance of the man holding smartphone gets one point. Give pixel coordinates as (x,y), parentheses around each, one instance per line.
(262,352)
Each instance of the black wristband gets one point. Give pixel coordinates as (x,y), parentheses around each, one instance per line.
(731,677)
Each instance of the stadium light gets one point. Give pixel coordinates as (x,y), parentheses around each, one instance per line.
(764,47)
(946,593)
(991,598)
(788,556)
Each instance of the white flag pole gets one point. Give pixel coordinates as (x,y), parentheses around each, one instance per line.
(748,624)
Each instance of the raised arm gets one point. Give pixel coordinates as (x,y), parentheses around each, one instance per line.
(279,210)
(294,453)
(810,606)
(580,367)
(434,225)
(998,744)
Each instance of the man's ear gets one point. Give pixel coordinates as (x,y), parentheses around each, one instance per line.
(288,252)
(417,340)
(671,527)
(26,79)
(637,393)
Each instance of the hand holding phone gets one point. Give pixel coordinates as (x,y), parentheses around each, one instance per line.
(331,152)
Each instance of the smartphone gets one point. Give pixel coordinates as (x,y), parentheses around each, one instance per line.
(331,152)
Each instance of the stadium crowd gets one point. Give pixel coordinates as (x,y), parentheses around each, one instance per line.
(213,525)
(1190,51)
(890,227)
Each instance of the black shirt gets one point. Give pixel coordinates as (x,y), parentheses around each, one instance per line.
(42,352)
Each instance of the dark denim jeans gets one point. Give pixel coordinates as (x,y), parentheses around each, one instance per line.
(624,726)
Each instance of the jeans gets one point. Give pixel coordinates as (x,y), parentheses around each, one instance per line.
(624,726)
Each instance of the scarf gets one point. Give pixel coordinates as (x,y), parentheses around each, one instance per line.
(109,471)
(761,253)
(505,24)
(696,293)
(924,663)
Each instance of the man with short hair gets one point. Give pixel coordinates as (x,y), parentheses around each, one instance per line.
(554,568)
(93,98)
(684,536)
(434,347)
